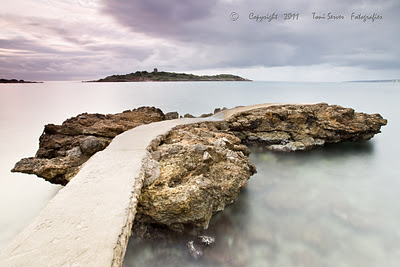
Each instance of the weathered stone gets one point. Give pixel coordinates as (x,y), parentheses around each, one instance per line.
(217,110)
(172,115)
(63,148)
(206,115)
(188,115)
(91,144)
(207,240)
(196,253)
(302,127)
(56,170)
(197,179)
(151,170)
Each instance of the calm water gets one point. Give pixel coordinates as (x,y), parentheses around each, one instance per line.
(335,206)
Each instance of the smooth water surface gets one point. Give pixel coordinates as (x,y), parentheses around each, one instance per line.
(333,206)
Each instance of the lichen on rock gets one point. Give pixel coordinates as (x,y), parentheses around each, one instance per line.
(202,171)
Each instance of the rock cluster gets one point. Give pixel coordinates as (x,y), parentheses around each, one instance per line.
(201,171)
(196,170)
(301,127)
(64,148)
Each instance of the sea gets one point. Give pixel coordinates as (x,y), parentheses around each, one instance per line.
(332,206)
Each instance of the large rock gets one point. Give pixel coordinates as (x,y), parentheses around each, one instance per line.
(301,127)
(201,171)
(63,148)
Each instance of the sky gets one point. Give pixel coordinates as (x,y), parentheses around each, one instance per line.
(45,40)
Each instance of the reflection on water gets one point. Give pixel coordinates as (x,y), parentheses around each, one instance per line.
(316,208)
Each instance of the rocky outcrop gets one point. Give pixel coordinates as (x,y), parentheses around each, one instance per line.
(64,148)
(196,170)
(202,167)
(301,127)
(201,170)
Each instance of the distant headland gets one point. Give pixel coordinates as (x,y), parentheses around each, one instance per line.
(162,76)
(15,81)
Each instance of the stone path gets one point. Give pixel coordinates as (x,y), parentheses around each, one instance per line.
(88,223)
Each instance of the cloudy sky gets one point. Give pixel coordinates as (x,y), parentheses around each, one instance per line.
(90,39)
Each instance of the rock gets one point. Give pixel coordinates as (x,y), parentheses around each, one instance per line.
(302,127)
(194,252)
(187,115)
(91,144)
(216,110)
(56,170)
(197,252)
(172,116)
(63,148)
(207,240)
(197,179)
(152,170)
(206,115)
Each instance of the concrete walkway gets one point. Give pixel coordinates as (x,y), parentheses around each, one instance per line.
(88,223)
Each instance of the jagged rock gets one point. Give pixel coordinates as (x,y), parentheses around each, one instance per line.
(63,148)
(197,178)
(302,127)
(172,116)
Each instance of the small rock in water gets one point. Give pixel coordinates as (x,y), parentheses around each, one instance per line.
(208,240)
(194,252)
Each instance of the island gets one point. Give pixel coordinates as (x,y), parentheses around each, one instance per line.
(15,81)
(163,76)
(376,81)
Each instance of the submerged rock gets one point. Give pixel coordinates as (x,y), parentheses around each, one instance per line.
(196,253)
(207,240)
(202,171)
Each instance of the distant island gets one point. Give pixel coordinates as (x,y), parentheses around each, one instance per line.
(377,81)
(162,76)
(15,81)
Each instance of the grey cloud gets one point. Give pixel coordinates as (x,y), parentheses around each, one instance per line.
(25,46)
(199,35)
(165,18)
(33,57)
(206,28)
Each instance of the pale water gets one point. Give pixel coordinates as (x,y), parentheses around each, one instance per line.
(333,206)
